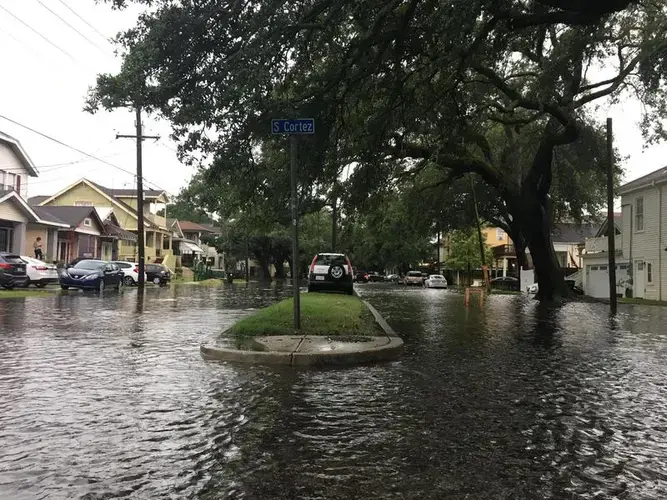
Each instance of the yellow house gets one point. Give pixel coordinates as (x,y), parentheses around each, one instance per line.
(157,237)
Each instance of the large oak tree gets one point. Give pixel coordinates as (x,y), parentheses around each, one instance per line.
(398,86)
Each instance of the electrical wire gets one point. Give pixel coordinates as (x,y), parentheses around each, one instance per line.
(79,151)
(83,20)
(38,33)
(73,28)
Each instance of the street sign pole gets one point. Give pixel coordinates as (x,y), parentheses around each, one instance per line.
(295,235)
(294,127)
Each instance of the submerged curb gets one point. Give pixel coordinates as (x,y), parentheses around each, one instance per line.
(377,348)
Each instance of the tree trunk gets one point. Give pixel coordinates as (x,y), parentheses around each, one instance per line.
(280,270)
(536,230)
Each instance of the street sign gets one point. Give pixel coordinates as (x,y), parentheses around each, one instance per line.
(297,126)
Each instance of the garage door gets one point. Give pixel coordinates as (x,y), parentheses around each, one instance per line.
(597,281)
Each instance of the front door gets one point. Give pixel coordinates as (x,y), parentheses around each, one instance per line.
(639,286)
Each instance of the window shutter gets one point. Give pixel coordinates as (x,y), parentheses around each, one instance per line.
(18,184)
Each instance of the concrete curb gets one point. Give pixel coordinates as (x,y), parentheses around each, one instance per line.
(389,350)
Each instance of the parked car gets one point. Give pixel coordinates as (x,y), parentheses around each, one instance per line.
(573,286)
(413,278)
(361,277)
(39,273)
(393,278)
(130,272)
(158,274)
(435,281)
(505,283)
(12,271)
(376,277)
(92,274)
(330,271)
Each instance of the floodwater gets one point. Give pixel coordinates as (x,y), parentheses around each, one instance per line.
(108,397)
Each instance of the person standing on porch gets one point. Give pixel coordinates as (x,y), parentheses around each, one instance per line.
(37,245)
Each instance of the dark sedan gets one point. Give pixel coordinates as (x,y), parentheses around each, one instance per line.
(158,274)
(505,283)
(92,274)
(12,271)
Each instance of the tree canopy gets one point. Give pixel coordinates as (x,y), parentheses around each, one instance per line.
(498,88)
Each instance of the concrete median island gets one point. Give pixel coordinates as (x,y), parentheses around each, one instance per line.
(335,330)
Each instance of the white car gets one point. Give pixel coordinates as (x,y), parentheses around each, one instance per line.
(39,273)
(130,272)
(435,281)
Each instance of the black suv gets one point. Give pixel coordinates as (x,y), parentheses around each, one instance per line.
(158,274)
(330,271)
(12,271)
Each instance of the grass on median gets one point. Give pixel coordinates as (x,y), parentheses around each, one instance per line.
(643,302)
(321,314)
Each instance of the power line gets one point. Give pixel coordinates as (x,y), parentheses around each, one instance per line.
(38,33)
(77,150)
(83,20)
(73,28)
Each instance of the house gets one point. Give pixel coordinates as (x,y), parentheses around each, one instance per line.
(644,235)
(187,235)
(595,276)
(19,223)
(123,202)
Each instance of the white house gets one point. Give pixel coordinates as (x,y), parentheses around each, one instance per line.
(644,242)
(19,223)
(595,257)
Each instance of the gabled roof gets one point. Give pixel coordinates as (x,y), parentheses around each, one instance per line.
(36,200)
(618,224)
(149,194)
(174,225)
(117,232)
(569,232)
(73,216)
(13,195)
(101,190)
(647,180)
(193,227)
(21,153)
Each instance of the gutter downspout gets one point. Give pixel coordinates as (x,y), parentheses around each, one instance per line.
(660,242)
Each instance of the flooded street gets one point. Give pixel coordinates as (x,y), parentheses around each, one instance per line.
(105,397)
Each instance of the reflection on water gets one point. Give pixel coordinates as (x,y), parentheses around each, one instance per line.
(108,397)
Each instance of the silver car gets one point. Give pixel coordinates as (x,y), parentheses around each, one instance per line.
(435,281)
(413,278)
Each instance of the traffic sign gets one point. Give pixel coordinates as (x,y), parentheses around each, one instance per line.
(296,126)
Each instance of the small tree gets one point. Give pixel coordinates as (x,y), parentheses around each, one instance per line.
(465,251)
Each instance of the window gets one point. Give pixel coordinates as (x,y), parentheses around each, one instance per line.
(639,214)
(649,273)
(87,222)
(594,268)
(603,268)
(500,234)
(622,266)
(83,203)
(10,181)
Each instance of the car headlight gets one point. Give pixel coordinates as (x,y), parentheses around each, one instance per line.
(91,276)
(64,274)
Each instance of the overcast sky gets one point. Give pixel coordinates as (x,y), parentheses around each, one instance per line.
(44,84)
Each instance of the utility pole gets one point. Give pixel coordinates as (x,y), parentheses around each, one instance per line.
(438,254)
(139,136)
(611,228)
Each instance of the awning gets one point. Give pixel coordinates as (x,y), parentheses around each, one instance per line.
(187,246)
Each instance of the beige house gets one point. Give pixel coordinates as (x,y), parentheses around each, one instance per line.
(157,236)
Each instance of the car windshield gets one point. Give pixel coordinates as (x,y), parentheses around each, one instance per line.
(327,259)
(89,264)
(437,277)
(414,274)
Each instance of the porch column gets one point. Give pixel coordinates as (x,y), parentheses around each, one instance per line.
(18,241)
(52,244)
(504,266)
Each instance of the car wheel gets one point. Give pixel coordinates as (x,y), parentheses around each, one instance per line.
(336,272)
(128,281)
(8,287)
(64,287)
(40,285)
(156,281)
(100,286)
